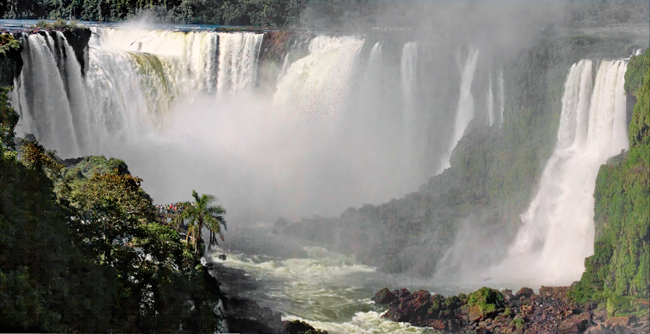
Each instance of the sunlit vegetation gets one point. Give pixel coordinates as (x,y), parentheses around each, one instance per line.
(82,249)
(619,270)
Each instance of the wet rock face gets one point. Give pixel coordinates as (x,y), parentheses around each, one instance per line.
(383,296)
(491,311)
(78,40)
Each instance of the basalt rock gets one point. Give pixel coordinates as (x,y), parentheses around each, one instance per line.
(383,296)
(525,293)
(491,311)
(300,327)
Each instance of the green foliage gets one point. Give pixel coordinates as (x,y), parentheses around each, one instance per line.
(201,214)
(8,44)
(266,13)
(91,257)
(59,24)
(619,270)
(635,74)
(8,119)
(518,322)
(507,312)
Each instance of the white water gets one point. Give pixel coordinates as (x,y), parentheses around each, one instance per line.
(317,86)
(501,97)
(409,63)
(196,52)
(238,53)
(558,228)
(40,94)
(328,290)
(465,112)
(490,102)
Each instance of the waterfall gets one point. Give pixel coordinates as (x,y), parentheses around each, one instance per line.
(558,229)
(490,102)
(196,51)
(465,112)
(318,85)
(371,87)
(41,96)
(409,82)
(238,54)
(501,97)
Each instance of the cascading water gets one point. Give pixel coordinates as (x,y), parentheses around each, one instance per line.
(558,230)
(409,83)
(501,97)
(490,102)
(465,112)
(238,55)
(195,51)
(317,86)
(41,97)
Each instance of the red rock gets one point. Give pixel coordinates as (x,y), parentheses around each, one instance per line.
(383,296)
(556,292)
(575,324)
(600,329)
(438,325)
(524,292)
(621,321)
(475,313)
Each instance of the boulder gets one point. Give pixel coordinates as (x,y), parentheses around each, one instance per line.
(402,294)
(621,321)
(555,292)
(300,327)
(383,296)
(475,313)
(599,329)
(525,293)
(438,325)
(575,324)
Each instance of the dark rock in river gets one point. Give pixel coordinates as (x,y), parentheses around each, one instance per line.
(383,296)
(300,327)
(246,316)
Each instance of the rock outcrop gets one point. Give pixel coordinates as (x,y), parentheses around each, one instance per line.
(491,311)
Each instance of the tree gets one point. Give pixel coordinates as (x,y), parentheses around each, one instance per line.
(202,214)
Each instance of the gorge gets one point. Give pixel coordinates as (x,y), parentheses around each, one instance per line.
(443,160)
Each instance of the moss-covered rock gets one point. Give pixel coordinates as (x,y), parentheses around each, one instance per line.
(485,302)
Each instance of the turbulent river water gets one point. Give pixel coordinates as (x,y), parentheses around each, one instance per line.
(328,290)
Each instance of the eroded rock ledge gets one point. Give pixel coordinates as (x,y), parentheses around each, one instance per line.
(491,311)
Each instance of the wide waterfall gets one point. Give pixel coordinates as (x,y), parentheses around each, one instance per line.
(558,228)
(338,124)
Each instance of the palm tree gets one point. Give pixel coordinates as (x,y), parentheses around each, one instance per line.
(202,214)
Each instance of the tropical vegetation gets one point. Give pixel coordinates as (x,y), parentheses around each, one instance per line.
(199,214)
(82,248)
